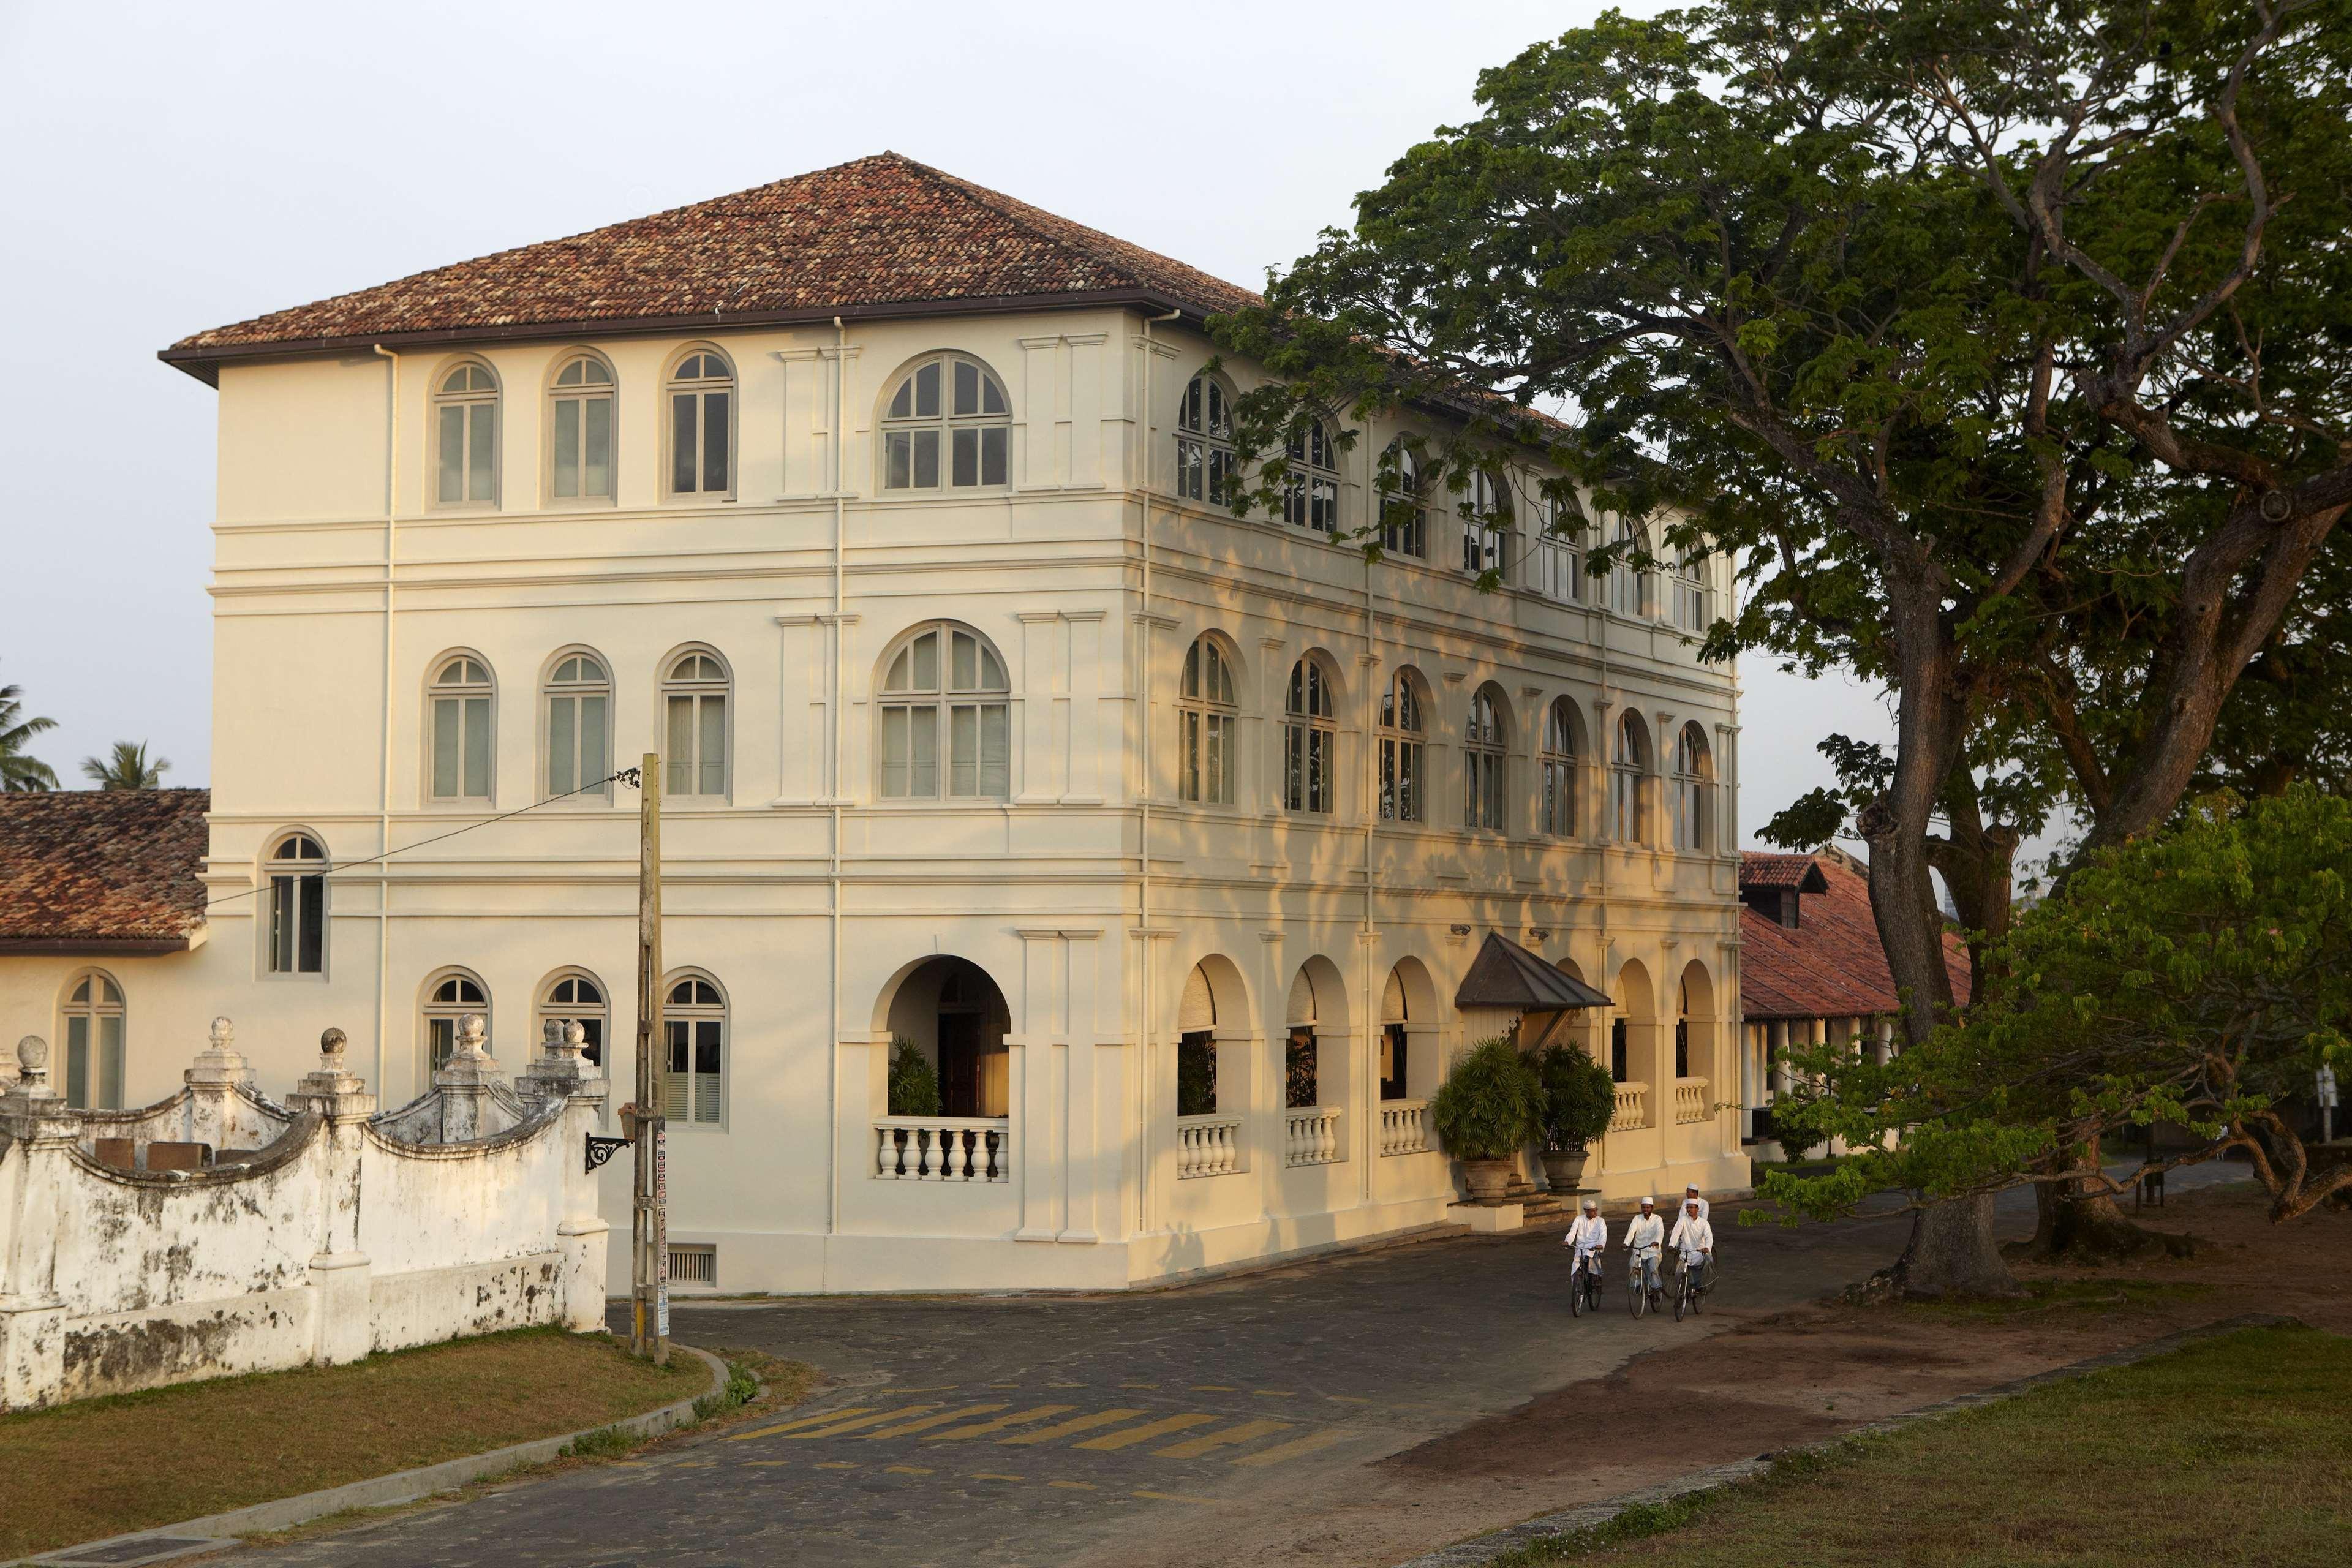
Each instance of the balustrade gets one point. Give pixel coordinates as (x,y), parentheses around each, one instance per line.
(942,1149)
(1208,1146)
(1313,1135)
(1690,1099)
(1405,1126)
(1632,1107)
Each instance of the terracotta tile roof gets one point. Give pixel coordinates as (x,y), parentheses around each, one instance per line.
(1832,965)
(102,866)
(1757,869)
(859,237)
(1506,975)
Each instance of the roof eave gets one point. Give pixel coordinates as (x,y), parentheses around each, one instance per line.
(94,946)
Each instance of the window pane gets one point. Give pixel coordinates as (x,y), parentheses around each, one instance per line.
(453,454)
(715,427)
(996,752)
(706,1045)
(966,387)
(923,765)
(592,740)
(481,453)
(894,753)
(311,895)
(926,460)
(567,445)
(445,748)
(898,460)
(562,746)
(927,662)
(902,402)
(109,1063)
(966,451)
(991,396)
(679,749)
(966,661)
(713,753)
(682,443)
(927,392)
(78,1063)
(992,467)
(596,447)
(282,914)
(1189,782)
(478,746)
(963,750)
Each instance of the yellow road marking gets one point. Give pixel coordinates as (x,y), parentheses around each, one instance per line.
(835,1465)
(1275,1392)
(803,1421)
(1073,1486)
(985,1476)
(1170,1497)
(904,1470)
(1193,1449)
(1003,1385)
(1215,1388)
(765,1464)
(926,1423)
(840,1426)
(1346,1399)
(1148,1431)
(1296,1447)
(1072,1428)
(1139,1386)
(986,1429)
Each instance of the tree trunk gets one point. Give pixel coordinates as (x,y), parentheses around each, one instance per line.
(2072,1226)
(1951,1253)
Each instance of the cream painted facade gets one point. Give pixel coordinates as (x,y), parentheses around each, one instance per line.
(1111,914)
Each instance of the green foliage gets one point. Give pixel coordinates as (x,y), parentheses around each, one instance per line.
(913,1088)
(1579,1098)
(20,771)
(2198,976)
(126,767)
(1196,1078)
(604,1443)
(1491,1104)
(742,1388)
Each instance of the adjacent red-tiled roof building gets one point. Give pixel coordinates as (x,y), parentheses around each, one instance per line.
(103,871)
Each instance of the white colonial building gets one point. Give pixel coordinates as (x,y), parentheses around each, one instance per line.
(886,509)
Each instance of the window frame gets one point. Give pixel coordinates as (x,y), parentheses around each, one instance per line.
(701,388)
(439,690)
(1310,739)
(583,393)
(300,880)
(1208,724)
(548,1006)
(1407,538)
(947,423)
(1561,755)
(430,1009)
(551,691)
(699,691)
(1485,513)
(1404,748)
(1692,606)
(1692,803)
(1486,761)
(943,699)
(1208,467)
(1629,775)
(493,398)
(679,1018)
(108,1002)
(1310,491)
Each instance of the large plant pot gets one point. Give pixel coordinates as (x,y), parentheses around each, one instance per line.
(1488,1179)
(1564,1168)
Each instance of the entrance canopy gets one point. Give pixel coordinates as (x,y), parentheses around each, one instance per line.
(1506,975)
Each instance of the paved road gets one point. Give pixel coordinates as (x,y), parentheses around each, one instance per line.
(1032,1430)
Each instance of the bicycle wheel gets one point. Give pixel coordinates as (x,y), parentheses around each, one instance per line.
(1637,1300)
(1575,1294)
(1681,1296)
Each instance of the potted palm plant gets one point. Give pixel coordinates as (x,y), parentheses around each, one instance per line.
(1578,1102)
(1488,1108)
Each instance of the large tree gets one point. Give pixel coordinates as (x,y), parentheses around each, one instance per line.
(1953,317)
(126,767)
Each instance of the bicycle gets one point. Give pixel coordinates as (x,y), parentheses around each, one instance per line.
(1583,1288)
(1638,1286)
(1690,1285)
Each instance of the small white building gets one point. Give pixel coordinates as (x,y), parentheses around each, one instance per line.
(888,509)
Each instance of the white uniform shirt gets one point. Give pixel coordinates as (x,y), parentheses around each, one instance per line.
(1692,1235)
(1588,1235)
(1644,1230)
(1705,1210)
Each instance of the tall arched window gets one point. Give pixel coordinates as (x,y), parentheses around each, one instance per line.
(580,427)
(578,727)
(948,426)
(1310,740)
(1559,568)
(1691,606)
(465,418)
(298,906)
(1210,715)
(1693,770)
(460,702)
(1559,770)
(946,699)
(1486,524)
(694,1019)
(447,1001)
(1402,751)
(1628,766)
(1483,753)
(1311,498)
(93,1035)
(702,426)
(1205,465)
(1627,587)
(1404,516)
(576,997)
(694,725)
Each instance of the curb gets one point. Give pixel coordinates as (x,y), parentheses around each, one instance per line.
(1484,1549)
(216,1530)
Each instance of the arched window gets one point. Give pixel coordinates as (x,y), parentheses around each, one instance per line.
(1486,524)
(1628,821)
(579,731)
(447,1001)
(694,725)
(1310,740)
(93,1035)
(946,698)
(1210,715)
(1559,573)
(1559,770)
(466,417)
(1628,589)
(1402,751)
(1205,465)
(297,905)
(581,429)
(1311,499)
(1404,516)
(948,426)
(576,997)
(1694,769)
(701,426)
(1692,611)
(460,706)
(694,1018)
(1483,751)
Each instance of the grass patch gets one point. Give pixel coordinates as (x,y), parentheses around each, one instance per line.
(2105,1295)
(2233,1450)
(102,1467)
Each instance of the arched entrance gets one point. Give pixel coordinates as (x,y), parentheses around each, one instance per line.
(950,1011)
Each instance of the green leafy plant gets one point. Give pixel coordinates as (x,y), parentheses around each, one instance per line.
(126,767)
(914,1082)
(20,771)
(1579,1099)
(1490,1105)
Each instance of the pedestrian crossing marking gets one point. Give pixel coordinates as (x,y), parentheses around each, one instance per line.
(990,1428)
(1193,1447)
(1148,1431)
(1072,1428)
(926,1423)
(841,1427)
(803,1421)
(1296,1447)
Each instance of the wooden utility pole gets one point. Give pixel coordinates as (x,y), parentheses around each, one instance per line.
(648,1226)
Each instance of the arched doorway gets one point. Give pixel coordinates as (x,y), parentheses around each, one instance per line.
(950,1011)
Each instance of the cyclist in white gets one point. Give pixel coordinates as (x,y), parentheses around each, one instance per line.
(1586,1238)
(1643,1234)
(1694,1238)
(1690,1196)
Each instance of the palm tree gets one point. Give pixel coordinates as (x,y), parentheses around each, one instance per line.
(126,767)
(18,771)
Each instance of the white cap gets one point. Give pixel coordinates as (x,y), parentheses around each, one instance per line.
(1590,1204)
(1648,1202)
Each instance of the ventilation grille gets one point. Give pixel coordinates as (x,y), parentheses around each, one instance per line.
(694,1265)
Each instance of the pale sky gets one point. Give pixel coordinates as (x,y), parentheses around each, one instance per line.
(173,167)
